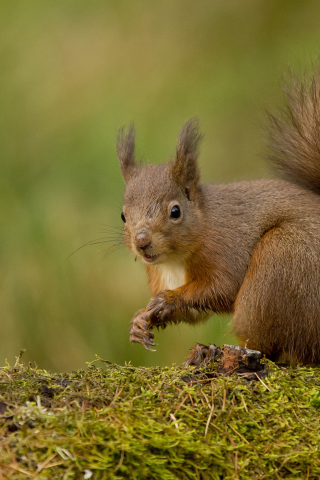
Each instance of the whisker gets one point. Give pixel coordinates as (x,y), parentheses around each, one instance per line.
(100,251)
(120,230)
(111,251)
(107,241)
(112,234)
(110,226)
(95,242)
(103,238)
(110,237)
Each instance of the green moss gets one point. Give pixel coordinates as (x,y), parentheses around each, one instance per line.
(117,422)
(315,401)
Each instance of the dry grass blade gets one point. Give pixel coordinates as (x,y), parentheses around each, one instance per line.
(306,426)
(266,386)
(18,469)
(120,461)
(239,434)
(173,418)
(208,421)
(45,463)
(180,405)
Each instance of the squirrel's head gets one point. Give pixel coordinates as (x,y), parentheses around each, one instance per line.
(160,211)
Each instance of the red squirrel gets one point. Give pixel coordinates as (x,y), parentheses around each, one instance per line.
(250,248)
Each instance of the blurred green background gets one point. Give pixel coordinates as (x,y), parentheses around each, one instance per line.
(73,72)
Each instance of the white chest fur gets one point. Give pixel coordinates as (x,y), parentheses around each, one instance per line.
(173,275)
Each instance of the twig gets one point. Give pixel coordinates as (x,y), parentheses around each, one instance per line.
(267,448)
(8,375)
(19,358)
(180,405)
(171,385)
(233,443)
(197,381)
(116,418)
(10,453)
(224,399)
(215,426)
(18,469)
(117,394)
(45,463)
(270,389)
(205,396)
(120,462)
(244,403)
(314,429)
(239,434)
(283,421)
(208,421)
(236,466)
(55,464)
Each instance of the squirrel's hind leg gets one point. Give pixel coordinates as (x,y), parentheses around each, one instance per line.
(201,355)
(277,309)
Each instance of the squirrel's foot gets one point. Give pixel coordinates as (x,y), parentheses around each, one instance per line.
(139,330)
(159,309)
(201,354)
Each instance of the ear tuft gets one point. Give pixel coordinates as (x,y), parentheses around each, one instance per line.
(125,151)
(185,170)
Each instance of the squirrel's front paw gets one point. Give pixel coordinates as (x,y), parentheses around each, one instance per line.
(159,309)
(139,331)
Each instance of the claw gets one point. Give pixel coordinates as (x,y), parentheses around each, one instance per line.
(202,355)
(213,352)
(139,331)
(148,348)
(143,340)
(149,341)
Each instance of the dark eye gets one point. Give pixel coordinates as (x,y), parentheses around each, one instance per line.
(175,212)
(123,218)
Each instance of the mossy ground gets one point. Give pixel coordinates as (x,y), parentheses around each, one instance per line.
(117,422)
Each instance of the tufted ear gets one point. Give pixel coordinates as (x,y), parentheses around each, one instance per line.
(125,151)
(185,170)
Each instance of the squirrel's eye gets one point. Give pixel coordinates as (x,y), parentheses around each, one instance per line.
(175,212)
(123,218)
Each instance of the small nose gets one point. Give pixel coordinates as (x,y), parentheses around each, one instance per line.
(143,240)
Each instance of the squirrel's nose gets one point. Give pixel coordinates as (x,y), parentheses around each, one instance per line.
(143,240)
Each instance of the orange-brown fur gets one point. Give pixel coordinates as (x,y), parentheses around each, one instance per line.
(248,248)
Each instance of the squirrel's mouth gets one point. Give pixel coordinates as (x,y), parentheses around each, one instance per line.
(150,258)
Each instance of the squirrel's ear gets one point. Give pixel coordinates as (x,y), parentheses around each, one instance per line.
(185,170)
(125,151)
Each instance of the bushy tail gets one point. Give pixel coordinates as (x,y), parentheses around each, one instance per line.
(294,136)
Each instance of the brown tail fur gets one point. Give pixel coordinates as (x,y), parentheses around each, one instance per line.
(294,136)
